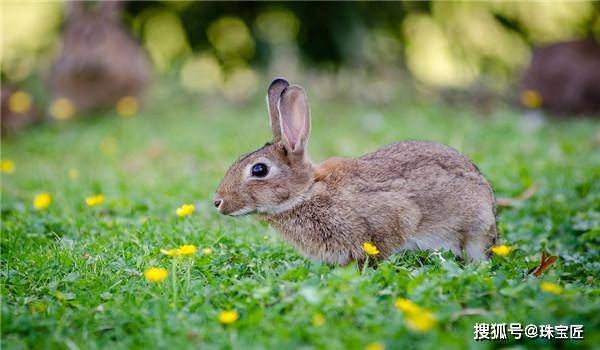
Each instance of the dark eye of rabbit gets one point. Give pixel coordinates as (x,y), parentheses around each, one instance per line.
(260,170)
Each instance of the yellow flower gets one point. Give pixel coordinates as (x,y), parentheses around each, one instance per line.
(127,106)
(62,109)
(501,250)
(207,251)
(7,166)
(228,317)
(318,319)
(375,346)
(420,322)
(531,99)
(170,252)
(187,249)
(42,201)
(370,248)
(156,274)
(406,305)
(19,102)
(94,200)
(417,318)
(185,210)
(550,287)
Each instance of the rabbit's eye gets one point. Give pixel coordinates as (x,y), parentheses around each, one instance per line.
(260,170)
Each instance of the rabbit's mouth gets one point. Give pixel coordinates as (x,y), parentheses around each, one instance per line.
(241,212)
(224,209)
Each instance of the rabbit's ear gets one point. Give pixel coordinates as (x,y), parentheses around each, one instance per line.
(295,119)
(273,94)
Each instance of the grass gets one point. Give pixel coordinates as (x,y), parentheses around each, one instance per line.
(72,275)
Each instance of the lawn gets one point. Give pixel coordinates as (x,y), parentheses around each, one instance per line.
(72,275)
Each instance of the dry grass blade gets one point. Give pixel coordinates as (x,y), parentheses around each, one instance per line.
(523,196)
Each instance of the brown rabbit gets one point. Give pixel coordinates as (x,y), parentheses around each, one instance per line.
(408,195)
(100,63)
(566,75)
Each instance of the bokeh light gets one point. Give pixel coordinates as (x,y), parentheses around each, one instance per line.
(27,29)
(549,21)
(430,55)
(241,84)
(472,25)
(19,102)
(62,109)
(201,73)
(531,99)
(127,106)
(231,39)
(164,38)
(277,26)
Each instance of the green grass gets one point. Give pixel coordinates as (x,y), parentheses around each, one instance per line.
(72,275)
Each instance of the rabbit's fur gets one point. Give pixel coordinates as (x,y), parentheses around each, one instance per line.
(408,195)
(99,63)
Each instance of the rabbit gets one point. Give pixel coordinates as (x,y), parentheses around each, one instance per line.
(407,195)
(566,75)
(99,63)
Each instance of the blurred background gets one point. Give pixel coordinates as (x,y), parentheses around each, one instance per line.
(61,60)
(140,107)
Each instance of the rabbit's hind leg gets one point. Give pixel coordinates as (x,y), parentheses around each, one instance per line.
(478,242)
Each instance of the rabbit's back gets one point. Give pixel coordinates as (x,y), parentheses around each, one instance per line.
(419,168)
(453,201)
(409,159)
(408,195)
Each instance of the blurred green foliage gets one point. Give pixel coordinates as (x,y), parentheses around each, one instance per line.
(447,44)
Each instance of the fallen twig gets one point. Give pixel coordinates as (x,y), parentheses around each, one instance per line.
(545,262)
(523,196)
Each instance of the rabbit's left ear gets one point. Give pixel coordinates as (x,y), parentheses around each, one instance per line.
(294,119)
(273,95)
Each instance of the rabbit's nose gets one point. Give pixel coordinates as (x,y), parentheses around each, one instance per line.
(218,202)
